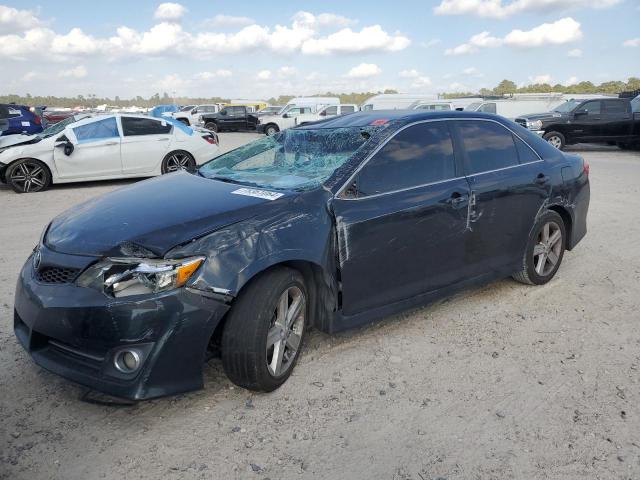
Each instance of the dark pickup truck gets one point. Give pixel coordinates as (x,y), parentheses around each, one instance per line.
(230,118)
(597,120)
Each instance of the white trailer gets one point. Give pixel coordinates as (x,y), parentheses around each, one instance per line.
(395,101)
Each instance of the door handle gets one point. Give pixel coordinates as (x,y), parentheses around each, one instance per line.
(163,139)
(111,143)
(457,200)
(541,179)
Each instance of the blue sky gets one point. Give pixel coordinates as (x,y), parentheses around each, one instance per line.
(263,49)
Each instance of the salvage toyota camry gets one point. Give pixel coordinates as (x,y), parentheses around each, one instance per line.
(331,225)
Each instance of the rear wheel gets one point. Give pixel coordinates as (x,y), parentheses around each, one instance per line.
(556,139)
(28,175)
(544,252)
(178,160)
(263,334)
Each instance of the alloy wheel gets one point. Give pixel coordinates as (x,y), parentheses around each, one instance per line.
(547,251)
(179,161)
(285,333)
(29,177)
(555,141)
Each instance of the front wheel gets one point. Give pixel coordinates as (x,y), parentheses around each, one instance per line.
(211,126)
(544,252)
(271,130)
(178,160)
(263,334)
(28,175)
(556,139)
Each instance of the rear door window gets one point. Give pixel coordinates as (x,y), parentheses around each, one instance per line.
(487,145)
(418,155)
(615,107)
(99,130)
(331,110)
(347,109)
(134,126)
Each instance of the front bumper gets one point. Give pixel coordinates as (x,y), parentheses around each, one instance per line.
(76,332)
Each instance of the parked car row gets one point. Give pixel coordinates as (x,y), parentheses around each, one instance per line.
(21,119)
(83,148)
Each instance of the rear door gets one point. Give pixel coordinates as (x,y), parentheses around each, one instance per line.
(145,142)
(96,150)
(617,119)
(509,184)
(401,220)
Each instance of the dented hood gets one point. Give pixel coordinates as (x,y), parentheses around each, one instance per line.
(153,216)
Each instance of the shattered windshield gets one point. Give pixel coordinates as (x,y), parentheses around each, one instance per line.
(294,159)
(566,107)
(58,127)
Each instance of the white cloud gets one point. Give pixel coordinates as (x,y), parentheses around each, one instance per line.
(13,20)
(170,11)
(77,72)
(171,83)
(169,37)
(27,77)
(309,20)
(576,52)
(633,42)
(565,30)
(539,79)
(264,75)
(413,73)
(369,39)
(500,9)
(286,71)
(472,72)
(221,73)
(421,82)
(571,81)
(364,70)
(229,21)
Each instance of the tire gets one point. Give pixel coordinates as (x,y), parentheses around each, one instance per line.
(28,176)
(538,264)
(185,121)
(556,139)
(271,130)
(211,126)
(254,322)
(178,160)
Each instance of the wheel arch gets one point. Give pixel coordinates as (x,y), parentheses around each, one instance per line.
(568,223)
(321,288)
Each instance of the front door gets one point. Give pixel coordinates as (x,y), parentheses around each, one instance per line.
(401,221)
(509,184)
(587,122)
(96,150)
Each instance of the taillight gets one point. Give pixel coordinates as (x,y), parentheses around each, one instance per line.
(38,120)
(213,140)
(585,167)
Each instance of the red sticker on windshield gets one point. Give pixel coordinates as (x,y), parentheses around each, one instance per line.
(380,121)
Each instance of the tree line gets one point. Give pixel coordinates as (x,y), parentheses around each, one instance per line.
(505,87)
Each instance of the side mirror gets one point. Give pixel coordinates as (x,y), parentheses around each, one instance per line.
(194,111)
(286,115)
(223,112)
(323,113)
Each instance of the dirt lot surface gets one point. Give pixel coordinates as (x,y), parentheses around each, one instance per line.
(506,381)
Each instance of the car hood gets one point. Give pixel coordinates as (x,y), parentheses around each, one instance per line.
(151,217)
(541,116)
(12,140)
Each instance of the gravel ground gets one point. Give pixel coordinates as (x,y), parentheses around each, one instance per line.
(505,381)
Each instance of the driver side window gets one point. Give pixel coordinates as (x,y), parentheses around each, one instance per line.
(98,130)
(592,108)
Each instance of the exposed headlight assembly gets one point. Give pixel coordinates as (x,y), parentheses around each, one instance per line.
(534,125)
(122,277)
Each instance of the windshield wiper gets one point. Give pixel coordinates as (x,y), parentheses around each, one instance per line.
(237,182)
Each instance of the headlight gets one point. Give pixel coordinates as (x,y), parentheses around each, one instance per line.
(535,125)
(121,277)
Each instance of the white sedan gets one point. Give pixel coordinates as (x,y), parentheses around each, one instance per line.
(103,147)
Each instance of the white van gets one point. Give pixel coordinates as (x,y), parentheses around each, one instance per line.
(450,104)
(395,101)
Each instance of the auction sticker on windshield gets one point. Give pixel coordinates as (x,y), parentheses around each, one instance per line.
(252,192)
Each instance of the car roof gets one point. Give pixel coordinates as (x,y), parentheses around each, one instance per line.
(379,117)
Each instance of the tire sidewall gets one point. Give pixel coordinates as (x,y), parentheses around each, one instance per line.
(211,126)
(168,155)
(533,240)
(547,136)
(271,128)
(14,165)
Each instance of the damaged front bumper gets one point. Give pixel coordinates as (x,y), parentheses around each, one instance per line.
(79,333)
